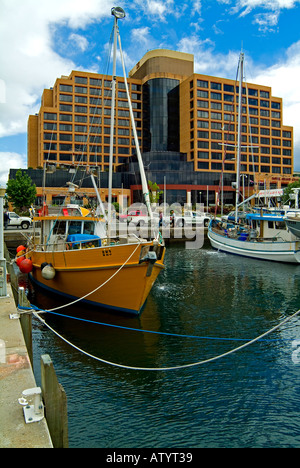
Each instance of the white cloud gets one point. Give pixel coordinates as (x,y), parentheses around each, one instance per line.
(283,77)
(80,41)
(10,161)
(29,62)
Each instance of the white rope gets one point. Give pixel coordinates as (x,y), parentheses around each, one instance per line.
(206,361)
(98,287)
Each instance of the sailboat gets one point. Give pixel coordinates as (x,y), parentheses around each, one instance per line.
(76,254)
(260,236)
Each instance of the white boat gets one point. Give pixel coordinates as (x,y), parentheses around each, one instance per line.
(260,236)
(293,224)
(263,237)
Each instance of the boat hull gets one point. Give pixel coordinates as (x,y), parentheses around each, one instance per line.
(112,278)
(294,226)
(284,252)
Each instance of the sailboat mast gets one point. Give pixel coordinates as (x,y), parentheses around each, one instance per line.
(238,159)
(139,156)
(112,119)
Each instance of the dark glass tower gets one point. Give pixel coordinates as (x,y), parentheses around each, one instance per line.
(161,115)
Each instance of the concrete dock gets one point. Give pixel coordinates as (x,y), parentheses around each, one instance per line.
(16,375)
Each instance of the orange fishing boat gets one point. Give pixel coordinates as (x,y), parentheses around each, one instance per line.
(71,258)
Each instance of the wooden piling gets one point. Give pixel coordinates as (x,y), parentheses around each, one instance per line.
(55,400)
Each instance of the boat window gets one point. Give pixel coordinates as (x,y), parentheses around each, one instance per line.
(88,227)
(59,227)
(270,225)
(280,225)
(74,227)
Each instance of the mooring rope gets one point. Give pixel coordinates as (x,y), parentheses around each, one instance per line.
(183,366)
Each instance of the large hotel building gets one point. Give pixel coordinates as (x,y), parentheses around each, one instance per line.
(186,125)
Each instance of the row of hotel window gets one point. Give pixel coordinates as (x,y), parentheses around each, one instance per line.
(95,82)
(244,128)
(244,168)
(232,117)
(230,98)
(230,88)
(244,158)
(252,139)
(92,158)
(251,149)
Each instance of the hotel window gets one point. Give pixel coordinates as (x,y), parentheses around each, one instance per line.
(65,137)
(66,97)
(275,105)
(81,109)
(203,94)
(216,96)
(228,88)
(286,152)
(203,155)
(65,127)
(202,84)
(286,143)
(203,104)
(66,88)
(202,124)
(216,115)
(80,79)
(276,142)
(203,165)
(275,115)
(202,134)
(264,103)
(203,114)
(50,116)
(81,99)
(265,94)
(50,136)
(65,118)
(81,118)
(265,122)
(228,97)
(80,89)
(215,85)
(65,107)
(252,92)
(276,123)
(286,134)
(50,126)
(252,102)
(95,82)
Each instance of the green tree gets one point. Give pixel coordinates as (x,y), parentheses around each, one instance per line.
(154,192)
(288,191)
(21,191)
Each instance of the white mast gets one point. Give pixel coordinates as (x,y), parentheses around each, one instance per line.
(139,156)
(237,193)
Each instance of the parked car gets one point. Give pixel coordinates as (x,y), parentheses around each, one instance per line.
(192,218)
(18,221)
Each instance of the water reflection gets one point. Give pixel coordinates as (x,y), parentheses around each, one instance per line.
(253,393)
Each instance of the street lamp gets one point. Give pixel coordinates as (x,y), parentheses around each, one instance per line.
(3,290)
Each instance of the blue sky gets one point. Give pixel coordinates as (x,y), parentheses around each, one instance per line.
(42,40)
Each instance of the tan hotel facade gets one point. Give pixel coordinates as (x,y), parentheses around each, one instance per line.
(185,118)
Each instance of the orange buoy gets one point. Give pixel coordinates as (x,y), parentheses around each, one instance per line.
(26,266)
(20,260)
(21,248)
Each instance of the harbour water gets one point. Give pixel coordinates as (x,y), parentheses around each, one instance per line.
(216,303)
